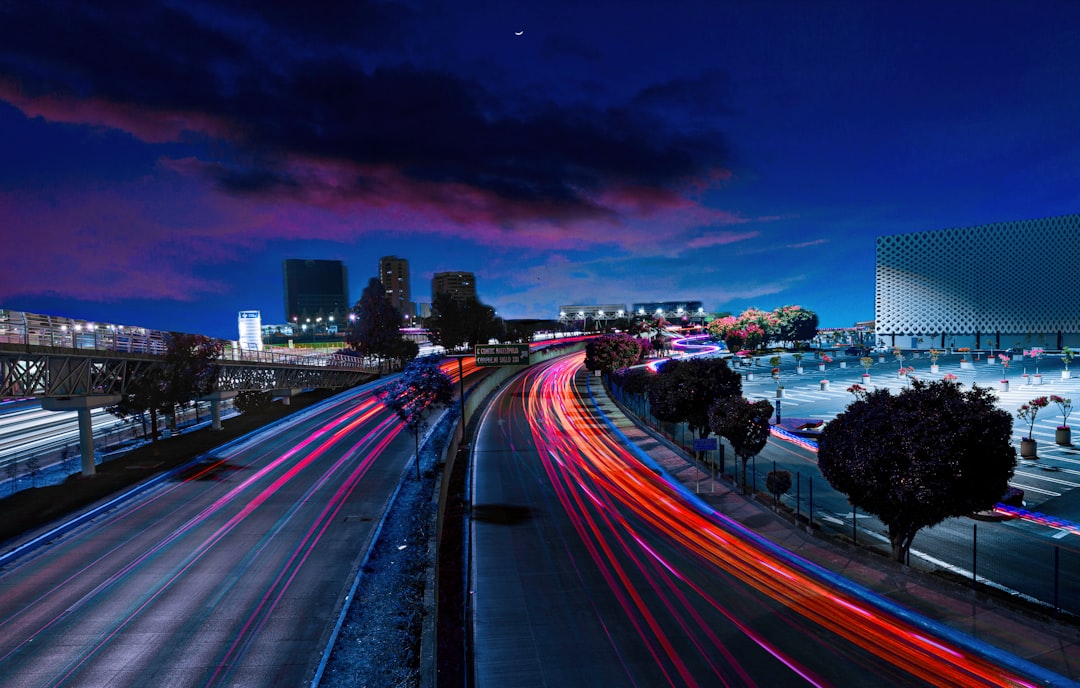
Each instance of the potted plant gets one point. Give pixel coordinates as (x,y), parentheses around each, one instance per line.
(1003,385)
(798,362)
(1066,356)
(824,385)
(965,364)
(857,391)
(779,391)
(934,354)
(1036,354)
(866,362)
(1027,412)
(825,358)
(1064,432)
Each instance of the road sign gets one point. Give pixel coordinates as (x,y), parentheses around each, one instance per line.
(501,354)
(705,444)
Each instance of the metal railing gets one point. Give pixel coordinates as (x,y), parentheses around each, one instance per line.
(71,334)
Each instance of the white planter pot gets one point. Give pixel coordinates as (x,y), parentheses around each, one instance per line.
(1066,374)
(821,367)
(780,393)
(798,370)
(749,376)
(880,359)
(1036,379)
(967,365)
(990,360)
(1003,386)
(865,378)
(843,364)
(1025,379)
(824,385)
(934,368)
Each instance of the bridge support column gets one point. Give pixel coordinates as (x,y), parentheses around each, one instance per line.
(82,405)
(285,394)
(215,399)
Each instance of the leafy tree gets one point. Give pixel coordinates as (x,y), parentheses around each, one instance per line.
(684,389)
(778,483)
(454,323)
(611,352)
(931,452)
(423,385)
(376,329)
(191,367)
(744,424)
(795,324)
(634,382)
(403,351)
(189,371)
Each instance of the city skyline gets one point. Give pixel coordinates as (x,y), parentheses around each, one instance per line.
(162,160)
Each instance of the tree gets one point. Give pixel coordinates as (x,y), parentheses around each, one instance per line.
(795,324)
(191,368)
(744,424)
(611,352)
(778,483)
(377,326)
(635,382)
(423,385)
(455,322)
(931,452)
(189,371)
(683,391)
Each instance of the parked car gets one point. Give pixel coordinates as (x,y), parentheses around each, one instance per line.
(857,351)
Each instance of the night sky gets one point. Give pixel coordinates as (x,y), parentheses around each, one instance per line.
(159,160)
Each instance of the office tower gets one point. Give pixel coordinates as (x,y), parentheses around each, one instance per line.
(460,285)
(316,289)
(394,275)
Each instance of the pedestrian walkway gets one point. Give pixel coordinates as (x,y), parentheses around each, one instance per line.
(1042,641)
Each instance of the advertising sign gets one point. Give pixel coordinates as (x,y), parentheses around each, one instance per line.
(250,324)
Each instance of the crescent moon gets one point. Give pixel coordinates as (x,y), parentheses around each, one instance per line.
(519,33)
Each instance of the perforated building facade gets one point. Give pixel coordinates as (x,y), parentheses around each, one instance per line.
(990,285)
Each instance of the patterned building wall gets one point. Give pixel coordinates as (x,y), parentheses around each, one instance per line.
(1009,278)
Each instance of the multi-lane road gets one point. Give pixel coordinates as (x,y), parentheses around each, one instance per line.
(591,569)
(230,573)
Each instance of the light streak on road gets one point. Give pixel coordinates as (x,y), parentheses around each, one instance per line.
(587,466)
(232,549)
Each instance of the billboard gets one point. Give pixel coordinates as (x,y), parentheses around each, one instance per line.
(250,324)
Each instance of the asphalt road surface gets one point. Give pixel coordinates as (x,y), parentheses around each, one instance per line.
(588,568)
(232,573)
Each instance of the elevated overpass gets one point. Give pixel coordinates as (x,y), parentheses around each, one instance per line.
(72,364)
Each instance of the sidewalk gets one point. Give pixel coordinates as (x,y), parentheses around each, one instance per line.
(1042,641)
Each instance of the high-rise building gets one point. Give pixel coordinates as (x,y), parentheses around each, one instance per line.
(460,285)
(316,289)
(960,288)
(394,275)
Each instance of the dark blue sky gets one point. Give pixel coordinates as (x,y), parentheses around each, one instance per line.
(161,159)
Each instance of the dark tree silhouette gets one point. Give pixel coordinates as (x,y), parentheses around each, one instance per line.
(376,330)
(423,385)
(683,391)
(931,452)
(744,424)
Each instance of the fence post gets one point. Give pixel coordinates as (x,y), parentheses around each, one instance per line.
(974,552)
(1057,607)
(798,494)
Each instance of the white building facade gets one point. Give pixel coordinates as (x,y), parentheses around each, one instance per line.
(1002,285)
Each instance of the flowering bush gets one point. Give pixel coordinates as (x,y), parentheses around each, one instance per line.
(934,353)
(1028,411)
(825,358)
(1066,356)
(857,390)
(950,377)
(963,350)
(866,362)
(1066,408)
(1004,366)
(1036,354)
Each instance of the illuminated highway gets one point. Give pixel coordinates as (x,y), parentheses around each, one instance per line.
(590,569)
(229,574)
